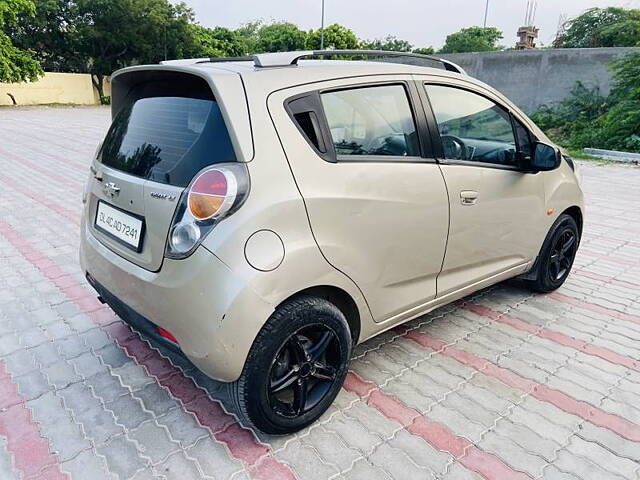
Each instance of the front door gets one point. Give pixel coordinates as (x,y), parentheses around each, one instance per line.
(497,210)
(377,203)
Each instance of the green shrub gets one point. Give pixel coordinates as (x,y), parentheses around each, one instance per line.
(587,119)
(105,100)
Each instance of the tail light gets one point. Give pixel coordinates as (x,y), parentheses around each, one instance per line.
(215,193)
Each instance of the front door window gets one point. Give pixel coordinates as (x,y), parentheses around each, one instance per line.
(472,127)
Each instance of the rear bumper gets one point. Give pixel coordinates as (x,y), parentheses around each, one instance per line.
(130,316)
(211,312)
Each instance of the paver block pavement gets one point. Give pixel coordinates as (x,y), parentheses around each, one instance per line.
(537,386)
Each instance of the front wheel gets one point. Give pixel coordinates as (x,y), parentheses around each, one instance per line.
(557,255)
(295,368)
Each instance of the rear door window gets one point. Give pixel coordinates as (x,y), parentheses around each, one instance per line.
(166,134)
(371,121)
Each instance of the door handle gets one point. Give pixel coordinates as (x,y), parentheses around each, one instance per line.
(468,197)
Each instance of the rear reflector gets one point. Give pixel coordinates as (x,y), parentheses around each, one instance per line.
(166,335)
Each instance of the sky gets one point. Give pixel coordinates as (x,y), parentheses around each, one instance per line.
(422,22)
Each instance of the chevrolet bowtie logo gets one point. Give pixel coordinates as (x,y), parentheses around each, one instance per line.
(110,189)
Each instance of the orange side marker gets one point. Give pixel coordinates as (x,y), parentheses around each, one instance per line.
(550,211)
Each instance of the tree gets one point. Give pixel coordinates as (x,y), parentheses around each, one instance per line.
(473,39)
(167,29)
(16,64)
(51,35)
(424,50)
(587,119)
(213,42)
(280,37)
(248,36)
(619,127)
(601,27)
(336,36)
(147,31)
(100,36)
(389,43)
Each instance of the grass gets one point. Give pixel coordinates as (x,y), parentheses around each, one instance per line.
(578,154)
(54,105)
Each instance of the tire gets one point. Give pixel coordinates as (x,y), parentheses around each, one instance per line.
(557,255)
(295,368)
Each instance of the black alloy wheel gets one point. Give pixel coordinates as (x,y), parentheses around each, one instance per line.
(303,371)
(557,255)
(295,368)
(562,255)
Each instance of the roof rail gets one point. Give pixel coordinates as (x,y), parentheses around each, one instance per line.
(283,59)
(227,59)
(191,61)
(184,61)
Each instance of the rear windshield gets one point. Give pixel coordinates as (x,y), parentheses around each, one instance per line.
(167,132)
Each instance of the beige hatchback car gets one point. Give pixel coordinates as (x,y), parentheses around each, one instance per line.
(263,216)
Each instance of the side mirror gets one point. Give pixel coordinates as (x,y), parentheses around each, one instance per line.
(545,157)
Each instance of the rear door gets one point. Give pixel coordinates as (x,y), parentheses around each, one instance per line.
(497,209)
(166,130)
(375,197)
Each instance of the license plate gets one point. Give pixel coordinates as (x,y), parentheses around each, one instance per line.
(120,225)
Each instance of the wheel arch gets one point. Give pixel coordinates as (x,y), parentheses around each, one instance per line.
(576,213)
(341,299)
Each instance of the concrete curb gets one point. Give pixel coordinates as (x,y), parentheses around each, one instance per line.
(623,157)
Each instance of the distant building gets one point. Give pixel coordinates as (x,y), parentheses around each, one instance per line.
(527,37)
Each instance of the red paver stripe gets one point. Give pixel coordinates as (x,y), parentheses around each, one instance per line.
(24,441)
(68,214)
(556,337)
(606,279)
(608,258)
(241,443)
(60,147)
(34,166)
(621,426)
(486,464)
(616,227)
(68,161)
(592,307)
